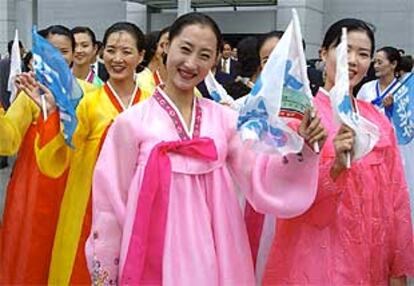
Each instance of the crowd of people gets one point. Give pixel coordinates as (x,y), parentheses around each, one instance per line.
(149,192)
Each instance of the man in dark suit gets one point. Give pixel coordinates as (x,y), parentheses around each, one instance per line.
(221,77)
(227,64)
(4,79)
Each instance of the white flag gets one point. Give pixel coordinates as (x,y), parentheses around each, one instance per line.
(281,88)
(218,93)
(366,133)
(15,67)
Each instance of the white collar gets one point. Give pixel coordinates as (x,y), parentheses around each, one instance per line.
(131,100)
(180,117)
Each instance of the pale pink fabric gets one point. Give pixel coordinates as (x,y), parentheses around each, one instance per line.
(356,233)
(143,262)
(206,241)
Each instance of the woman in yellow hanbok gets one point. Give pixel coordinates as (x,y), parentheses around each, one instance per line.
(123,51)
(32,199)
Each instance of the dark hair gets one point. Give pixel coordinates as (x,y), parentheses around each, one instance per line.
(392,55)
(333,34)
(162,33)
(247,57)
(10,46)
(406,64)
(150,47)
(26,61)
(194,18)
(85,30)
(131,29)
(262,40)
(223,43)
(99,45)
(58,30)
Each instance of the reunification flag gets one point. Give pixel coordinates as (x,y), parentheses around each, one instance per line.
(218,93)
(403,115)
(52,71)
(366,133)
(15,67)
(282,89)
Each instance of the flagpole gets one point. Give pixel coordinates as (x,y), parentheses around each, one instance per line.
(348,160)
(316,143)
(44,109)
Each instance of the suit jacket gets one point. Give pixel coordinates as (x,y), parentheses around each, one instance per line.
(315,79)
(233,69)
(4,79)
(221,77)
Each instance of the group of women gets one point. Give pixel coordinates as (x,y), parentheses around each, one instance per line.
(148,195)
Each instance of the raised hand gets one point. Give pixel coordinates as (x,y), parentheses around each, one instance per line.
(388,100)
(39,93)
(344,145)
(312,130)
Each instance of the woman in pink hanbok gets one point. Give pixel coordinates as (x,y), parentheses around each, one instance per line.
(358,230)
(165,209)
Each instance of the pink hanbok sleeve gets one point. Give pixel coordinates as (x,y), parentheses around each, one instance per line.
(325,207)
(112,177)
(402,244)
(285,187)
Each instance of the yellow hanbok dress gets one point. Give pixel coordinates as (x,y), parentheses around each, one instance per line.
(32,199)
(95,113)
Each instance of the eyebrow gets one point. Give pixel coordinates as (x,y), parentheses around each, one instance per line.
(191,45)
(359,48)
(117,47)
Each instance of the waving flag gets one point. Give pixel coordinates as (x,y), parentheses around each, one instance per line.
(15,67)
(218,93)
(403,115)
(52,71)
(366,133)
(281,89)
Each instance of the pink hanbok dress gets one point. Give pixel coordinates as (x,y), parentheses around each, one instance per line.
(204,239)
(357,233)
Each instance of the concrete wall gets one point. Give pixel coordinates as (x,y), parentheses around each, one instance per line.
(7,23)
(137,14)
(228,21)
(97,14)
(393,20)
(311,15)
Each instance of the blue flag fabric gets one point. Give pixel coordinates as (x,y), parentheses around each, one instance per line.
(403,116)
(52,71)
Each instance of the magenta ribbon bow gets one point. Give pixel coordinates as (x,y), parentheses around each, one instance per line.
(143,264)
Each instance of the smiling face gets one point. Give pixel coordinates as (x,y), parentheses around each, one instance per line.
(63,44)
(191,55)
(121,56)
(359,59)
(85,50)
(383,66)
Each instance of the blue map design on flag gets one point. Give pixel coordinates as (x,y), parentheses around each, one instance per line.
(257,86)
(52,71)
(403,116)
(290,80)
(215,96)
(345,105)
(257,121)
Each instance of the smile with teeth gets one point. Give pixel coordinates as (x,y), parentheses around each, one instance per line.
(186,74)
(118,68)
